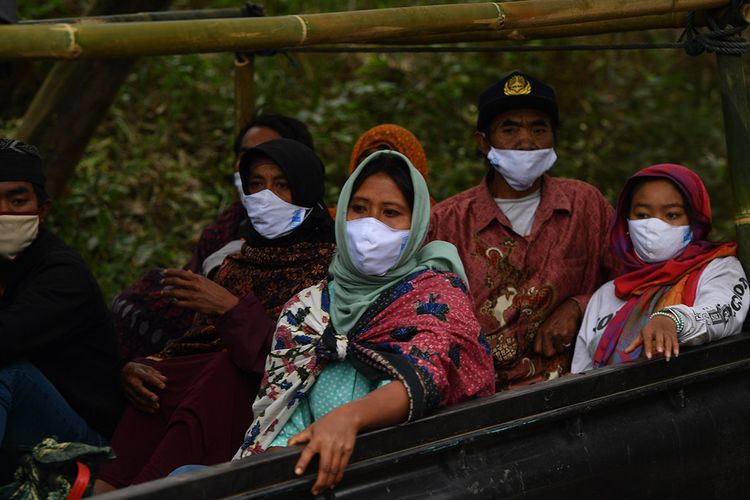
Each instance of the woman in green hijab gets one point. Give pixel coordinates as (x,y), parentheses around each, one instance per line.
(388,337)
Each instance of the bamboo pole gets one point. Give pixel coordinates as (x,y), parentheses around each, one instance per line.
(244,90)
(170,15)
(734,104)
(665,21)
(176,37)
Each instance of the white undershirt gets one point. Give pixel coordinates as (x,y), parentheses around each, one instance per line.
(520,211)
(721,303)
(216,259)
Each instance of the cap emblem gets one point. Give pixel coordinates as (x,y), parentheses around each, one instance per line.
(517,85)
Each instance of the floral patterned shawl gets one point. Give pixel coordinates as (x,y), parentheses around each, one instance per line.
(421,331)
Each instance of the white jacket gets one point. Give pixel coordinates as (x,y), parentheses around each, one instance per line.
(721,304)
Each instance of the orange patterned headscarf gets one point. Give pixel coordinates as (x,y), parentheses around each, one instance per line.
(389,136)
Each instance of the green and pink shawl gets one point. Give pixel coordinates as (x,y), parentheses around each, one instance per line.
(421,331)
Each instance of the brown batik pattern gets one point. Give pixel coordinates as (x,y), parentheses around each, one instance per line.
(274,274)
(511,301)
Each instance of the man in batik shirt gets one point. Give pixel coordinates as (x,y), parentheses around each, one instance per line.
(535,247)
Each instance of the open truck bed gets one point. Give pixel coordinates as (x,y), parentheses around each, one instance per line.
(650,429)
(673,429)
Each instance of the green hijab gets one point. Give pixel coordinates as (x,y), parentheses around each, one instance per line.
(351,291)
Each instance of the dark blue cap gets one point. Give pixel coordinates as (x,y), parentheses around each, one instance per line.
(517,90)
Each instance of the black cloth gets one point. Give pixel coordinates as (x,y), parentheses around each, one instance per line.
(20,162)
(52,313)
(8,11)
(306,176)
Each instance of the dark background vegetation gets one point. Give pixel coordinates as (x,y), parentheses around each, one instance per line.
(159,167)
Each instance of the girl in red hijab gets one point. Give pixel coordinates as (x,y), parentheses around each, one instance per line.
(677,289)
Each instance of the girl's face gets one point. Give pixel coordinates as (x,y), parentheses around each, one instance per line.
(659,199)
(268,175)
(379,197)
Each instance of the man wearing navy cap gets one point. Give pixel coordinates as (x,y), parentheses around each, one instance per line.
(534,246)
(58,354)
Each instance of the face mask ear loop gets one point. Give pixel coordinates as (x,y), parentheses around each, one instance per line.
(486,140)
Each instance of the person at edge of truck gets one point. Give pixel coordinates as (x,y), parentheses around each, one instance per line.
(534,246)
(144,320)
(388,337)
(678,289)
(59,363)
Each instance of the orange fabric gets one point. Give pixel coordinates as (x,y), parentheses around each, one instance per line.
(394,137)
(676,294)
(694,258)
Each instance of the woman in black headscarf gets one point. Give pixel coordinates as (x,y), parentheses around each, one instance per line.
(202,380)
(144,320)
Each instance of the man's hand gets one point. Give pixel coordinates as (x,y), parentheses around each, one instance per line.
(659,337)
(332,437)
(556,333)
(197,292)
(135,378)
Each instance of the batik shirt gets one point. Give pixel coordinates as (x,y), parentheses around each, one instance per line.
(517,281)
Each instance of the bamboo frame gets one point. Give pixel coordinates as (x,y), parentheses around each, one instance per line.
(736,111)
(530,19)
(164,15)
(672,20)
(124,40)
(244,90)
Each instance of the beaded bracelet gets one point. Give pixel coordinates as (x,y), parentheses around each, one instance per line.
(679,322)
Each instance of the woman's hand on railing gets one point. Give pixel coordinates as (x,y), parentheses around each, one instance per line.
(658,337)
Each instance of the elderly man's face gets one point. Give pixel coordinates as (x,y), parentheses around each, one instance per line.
(522,129)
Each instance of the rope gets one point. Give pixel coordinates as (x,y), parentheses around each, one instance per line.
(508,48)
(457,50)
(726,41)
(254,10)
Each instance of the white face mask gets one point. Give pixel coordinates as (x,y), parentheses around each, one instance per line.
(16,233)
(521,168)
(271,216)
(238,184)
(656,241)
(374,247)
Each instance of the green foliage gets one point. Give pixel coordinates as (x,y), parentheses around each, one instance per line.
(159,167)
(157,171)
(51,9)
